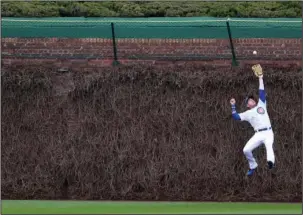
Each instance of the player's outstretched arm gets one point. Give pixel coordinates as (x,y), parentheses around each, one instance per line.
(257,69)
(234,113)
(262,94)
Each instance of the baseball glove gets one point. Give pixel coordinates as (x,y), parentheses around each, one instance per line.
(257,69)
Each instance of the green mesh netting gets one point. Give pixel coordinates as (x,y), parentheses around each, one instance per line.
(193,27)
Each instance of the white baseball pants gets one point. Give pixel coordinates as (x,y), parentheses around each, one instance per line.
(266,137)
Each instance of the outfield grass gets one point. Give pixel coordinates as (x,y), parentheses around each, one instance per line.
(95,207)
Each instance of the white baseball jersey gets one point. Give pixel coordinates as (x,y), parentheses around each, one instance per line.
(257,116)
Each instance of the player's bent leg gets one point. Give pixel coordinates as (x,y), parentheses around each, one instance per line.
(270,155)
(253,143)
(250,158)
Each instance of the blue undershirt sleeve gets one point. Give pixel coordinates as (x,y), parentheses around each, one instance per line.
(234,113)
(262,94)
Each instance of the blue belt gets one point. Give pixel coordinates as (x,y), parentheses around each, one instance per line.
(263,129)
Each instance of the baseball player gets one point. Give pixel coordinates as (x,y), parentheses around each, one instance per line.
(258,117)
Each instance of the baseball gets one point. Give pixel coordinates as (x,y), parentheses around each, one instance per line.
(254,52)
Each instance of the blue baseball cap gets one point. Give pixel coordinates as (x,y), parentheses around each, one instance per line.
(248,97)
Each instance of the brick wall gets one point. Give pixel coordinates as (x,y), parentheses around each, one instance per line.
(86,53)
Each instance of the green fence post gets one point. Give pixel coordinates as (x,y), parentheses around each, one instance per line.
(115,62)
(234,60)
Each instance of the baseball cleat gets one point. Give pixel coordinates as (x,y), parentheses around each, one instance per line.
(270,164)
(250,172)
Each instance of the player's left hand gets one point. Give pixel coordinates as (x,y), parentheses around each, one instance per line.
(257,69)
(232,101)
